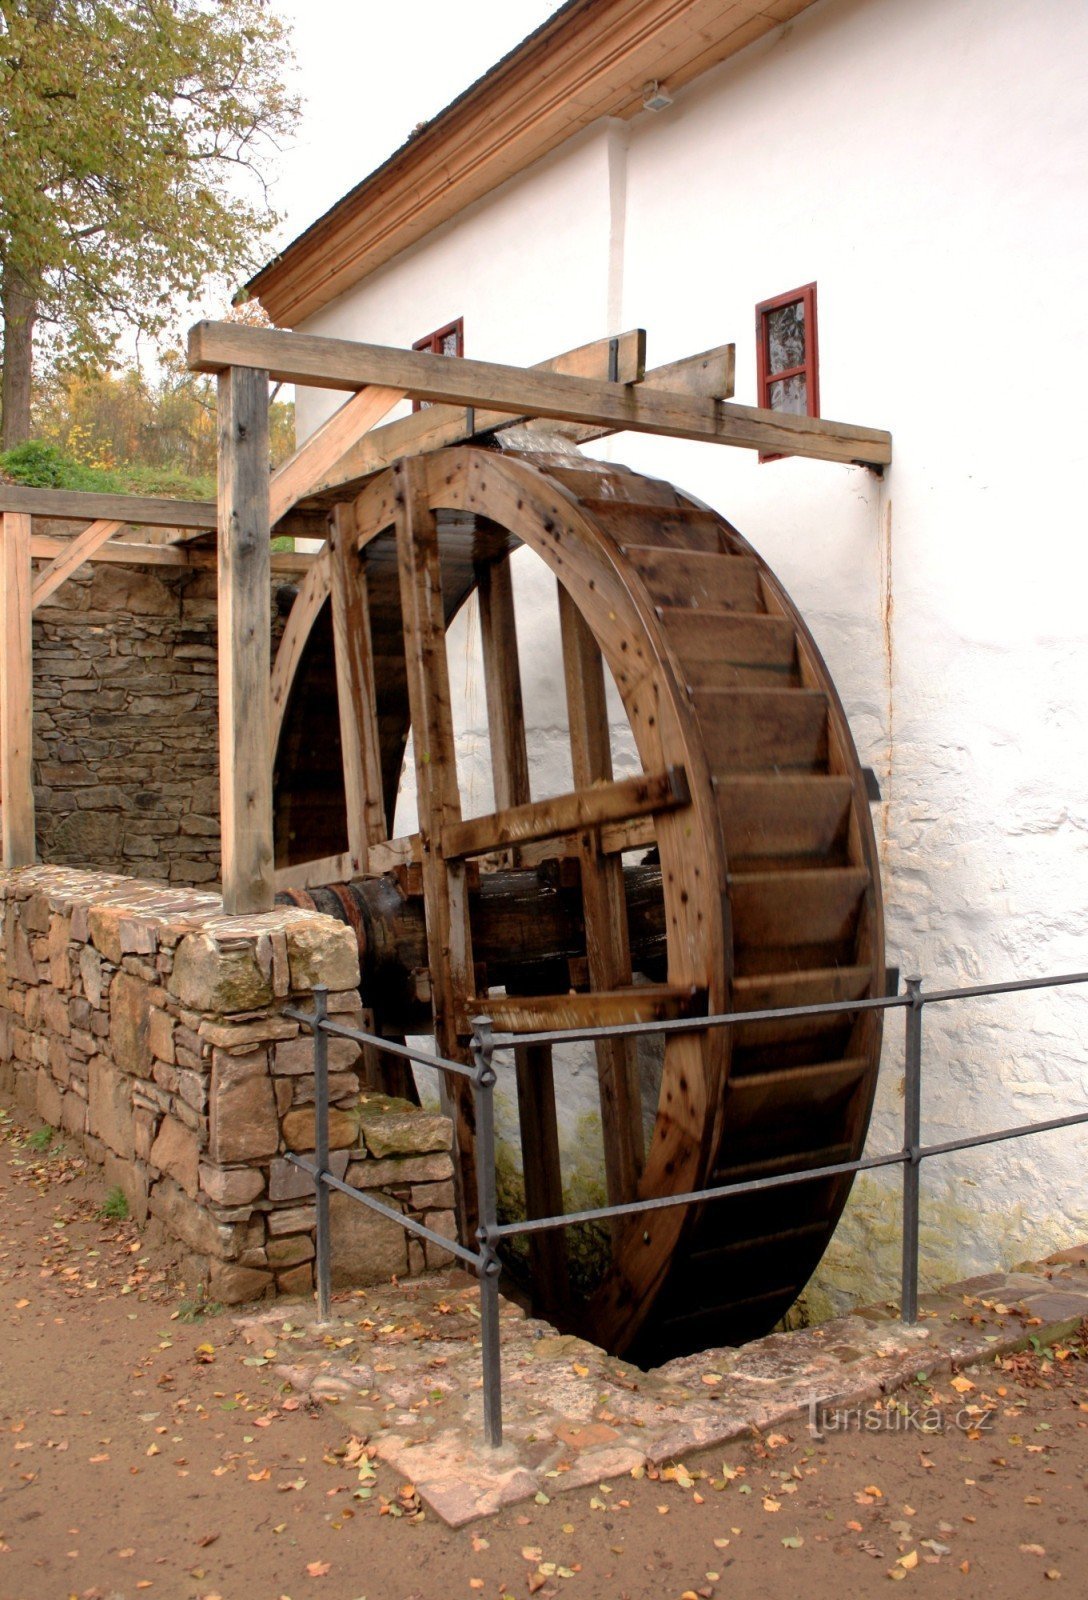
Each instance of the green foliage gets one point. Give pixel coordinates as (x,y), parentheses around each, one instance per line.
(154,430)
(40,1139)
(196,1310)
(114,1207)
(135,136)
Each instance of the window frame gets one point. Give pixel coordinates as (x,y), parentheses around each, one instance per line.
(432,343)
(809,368)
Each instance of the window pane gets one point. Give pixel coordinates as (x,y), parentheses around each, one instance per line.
(449,343)
(786,337)
(790,394)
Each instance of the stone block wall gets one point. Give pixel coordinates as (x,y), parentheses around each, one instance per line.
(126,768)
(150,1027)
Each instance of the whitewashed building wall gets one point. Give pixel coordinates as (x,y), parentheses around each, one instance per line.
(924,162)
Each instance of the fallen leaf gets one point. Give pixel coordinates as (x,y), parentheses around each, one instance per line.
(771,1505)
(909,1561)
(318,1569)
(1032,1550)
(961,1385)
(794,1542)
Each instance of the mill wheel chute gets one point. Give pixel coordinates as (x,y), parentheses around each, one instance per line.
(736,871)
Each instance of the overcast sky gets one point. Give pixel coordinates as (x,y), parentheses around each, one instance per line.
(369,71)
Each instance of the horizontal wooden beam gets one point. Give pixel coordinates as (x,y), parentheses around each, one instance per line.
(605,1008)
(390,854)
(618,360)
(711,375)
(44,547)
(643,795)
(139,511)
(315,874)
(637,833)
(188,519)
(343,364)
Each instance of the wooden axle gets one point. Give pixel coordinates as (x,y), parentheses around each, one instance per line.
(528,934)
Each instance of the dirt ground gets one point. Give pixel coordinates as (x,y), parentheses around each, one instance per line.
(143,1451)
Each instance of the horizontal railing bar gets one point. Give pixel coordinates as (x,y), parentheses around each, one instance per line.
(1015,987)
(408,1223)
(663,1202)
(1003,1134)
(725,1019)
(782,1179)
(343,1031)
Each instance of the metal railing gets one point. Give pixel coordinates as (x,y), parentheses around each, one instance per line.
(485,1262)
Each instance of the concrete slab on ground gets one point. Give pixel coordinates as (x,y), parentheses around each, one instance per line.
(403,1363)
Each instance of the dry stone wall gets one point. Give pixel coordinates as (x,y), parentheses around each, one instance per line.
(150,1027)
(125,733)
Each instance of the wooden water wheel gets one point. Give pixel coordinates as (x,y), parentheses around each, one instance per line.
(737,871)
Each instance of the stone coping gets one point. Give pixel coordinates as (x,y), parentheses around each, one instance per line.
(403,1363)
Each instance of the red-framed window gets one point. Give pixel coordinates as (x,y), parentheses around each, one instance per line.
(447,341)
(787,354)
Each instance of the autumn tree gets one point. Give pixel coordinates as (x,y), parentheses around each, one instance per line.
(135,139)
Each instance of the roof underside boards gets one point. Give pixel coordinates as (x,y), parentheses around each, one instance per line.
(591,60)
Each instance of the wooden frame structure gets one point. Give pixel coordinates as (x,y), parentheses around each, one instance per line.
(597,389)
(719,679)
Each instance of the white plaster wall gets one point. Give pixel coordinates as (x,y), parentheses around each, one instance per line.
(923,161)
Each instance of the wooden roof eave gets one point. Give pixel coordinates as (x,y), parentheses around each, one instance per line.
(591,60)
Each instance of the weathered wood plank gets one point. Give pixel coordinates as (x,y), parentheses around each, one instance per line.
(44,547)
(439,426)
(16,694)
(313,459)
(316,874)
(356,688)
(605,802)
(245,748)
(708,376)
(343,364)
(137,510)
(502,686)
(445,887)
(602,1008)
(533,1072)
(608,950)
(312,594)
(78,550)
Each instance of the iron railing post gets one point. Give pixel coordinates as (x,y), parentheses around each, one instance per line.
(912,1138)
(323,1265)
(489,1266)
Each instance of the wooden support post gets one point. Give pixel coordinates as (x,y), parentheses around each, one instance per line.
(540,1159)
(445,887)
(245,630)
(16,694)
(604,903)
(502,685)
(356,689)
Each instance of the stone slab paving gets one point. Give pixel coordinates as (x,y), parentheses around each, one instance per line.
(403,1363)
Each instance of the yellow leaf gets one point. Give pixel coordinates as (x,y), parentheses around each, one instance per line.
(961,1385)
(909,1561)
(771,1505)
